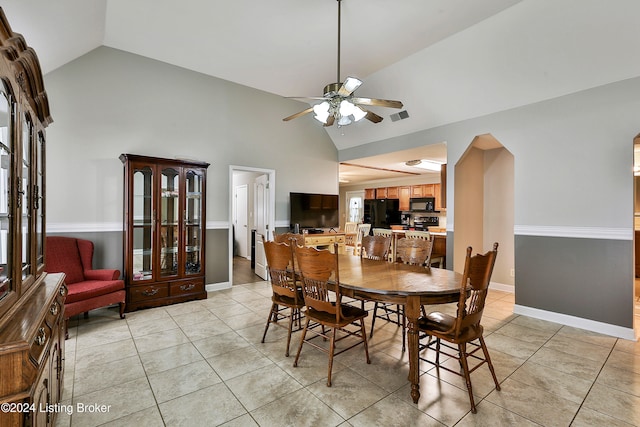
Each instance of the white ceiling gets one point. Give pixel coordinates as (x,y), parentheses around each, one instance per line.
(473,57)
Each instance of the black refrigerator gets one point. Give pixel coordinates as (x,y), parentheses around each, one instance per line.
(382,213)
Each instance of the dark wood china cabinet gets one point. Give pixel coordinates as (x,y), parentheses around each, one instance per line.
(31,301)
(164,223)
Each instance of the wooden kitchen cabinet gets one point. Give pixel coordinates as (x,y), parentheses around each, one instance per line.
(404,197)
(369,193)
(393,193)
(381,193)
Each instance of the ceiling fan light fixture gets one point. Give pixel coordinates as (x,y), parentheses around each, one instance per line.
(425,164)
(346,108)
(358,113)
(322,111)
(344,121)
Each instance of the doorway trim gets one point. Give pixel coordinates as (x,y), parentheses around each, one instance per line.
(271,208)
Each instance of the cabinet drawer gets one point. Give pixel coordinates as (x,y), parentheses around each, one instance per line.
(142,293)
(40,343)
(185,287)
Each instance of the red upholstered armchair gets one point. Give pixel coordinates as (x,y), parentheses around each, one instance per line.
(88,288)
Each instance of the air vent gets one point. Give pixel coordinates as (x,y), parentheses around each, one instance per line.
(399,116)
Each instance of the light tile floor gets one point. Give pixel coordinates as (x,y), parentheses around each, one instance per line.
(202,363)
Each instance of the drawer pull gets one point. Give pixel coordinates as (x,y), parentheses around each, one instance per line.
(150,292)
(63,290)
(42,337)
(187,287)
(54,308)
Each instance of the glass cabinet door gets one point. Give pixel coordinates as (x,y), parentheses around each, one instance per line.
(193,222)
(6,152)
(143,223)
(25,186)
(38,200)
(169,221)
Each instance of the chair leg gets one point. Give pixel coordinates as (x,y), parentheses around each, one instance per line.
(364,340)
(286,354)
(404,328)
(373,319)
(302,337)
(462,349)
(86,314)
(488,359)
(269,320)
(122,306)
(332,349)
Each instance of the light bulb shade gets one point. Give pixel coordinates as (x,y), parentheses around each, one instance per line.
(344,121)
(346,108)
(322,111)
(358,113)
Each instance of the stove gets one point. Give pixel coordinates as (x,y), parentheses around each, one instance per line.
(422,223)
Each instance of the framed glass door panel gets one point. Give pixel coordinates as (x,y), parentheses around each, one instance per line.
(38,201)
(6,152)
(143,223)
(193,222)
(25,187)
(169,221)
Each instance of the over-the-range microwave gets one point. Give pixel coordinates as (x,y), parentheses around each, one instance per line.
(423,204)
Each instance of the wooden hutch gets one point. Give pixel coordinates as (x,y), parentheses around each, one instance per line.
(31,302)
(164,226)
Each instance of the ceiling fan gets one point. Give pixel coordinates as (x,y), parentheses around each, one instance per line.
(339,105)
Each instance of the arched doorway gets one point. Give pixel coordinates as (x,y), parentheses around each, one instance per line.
(484,206)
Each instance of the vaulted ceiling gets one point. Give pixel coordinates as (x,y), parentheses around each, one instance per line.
(446,60)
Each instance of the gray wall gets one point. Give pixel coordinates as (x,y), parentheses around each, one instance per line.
(573,186)
(109,102)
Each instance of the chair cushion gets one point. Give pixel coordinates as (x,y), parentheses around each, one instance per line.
(92,288)
(349,314)
(63,256)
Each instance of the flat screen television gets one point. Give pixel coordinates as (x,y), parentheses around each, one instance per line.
(313,210)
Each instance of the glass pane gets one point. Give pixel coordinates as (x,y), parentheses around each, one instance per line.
(5,196)
(169,214)
(39,201)
(142,224)
(25,188)
(193,223)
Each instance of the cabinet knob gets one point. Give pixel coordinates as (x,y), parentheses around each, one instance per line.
(42,336)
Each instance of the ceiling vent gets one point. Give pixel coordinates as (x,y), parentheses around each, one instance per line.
(400,116)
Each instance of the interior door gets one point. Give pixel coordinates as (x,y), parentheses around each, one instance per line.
(261,215)
(240,221)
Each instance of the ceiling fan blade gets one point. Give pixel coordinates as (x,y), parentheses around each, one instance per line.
(350,84)
(372,117)
(306,98)
(296,115)
(330,121)
(377,102)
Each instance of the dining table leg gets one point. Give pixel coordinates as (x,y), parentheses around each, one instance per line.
(412,312)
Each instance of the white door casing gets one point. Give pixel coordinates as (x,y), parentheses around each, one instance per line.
(261,215)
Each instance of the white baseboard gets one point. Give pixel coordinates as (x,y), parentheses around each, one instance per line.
(502,287)
(577,322)
(217,286)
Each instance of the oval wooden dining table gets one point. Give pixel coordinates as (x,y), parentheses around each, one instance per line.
(397,283)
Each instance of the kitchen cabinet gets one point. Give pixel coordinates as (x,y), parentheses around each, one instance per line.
(404,197)
(164,223)
(393,192)
(381,193)
(422,190)
(369,193)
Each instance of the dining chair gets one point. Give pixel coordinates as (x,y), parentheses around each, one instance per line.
(377,248)
(362,230)
(323,301)
(464,330)
(425,235)
(385,232)
(350,234)
(415,251)
(287,237)
(287,299)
